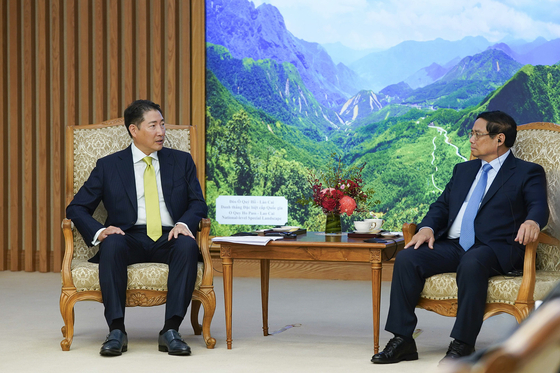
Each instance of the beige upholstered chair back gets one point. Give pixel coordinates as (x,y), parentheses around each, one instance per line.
(540,143)
(92,142)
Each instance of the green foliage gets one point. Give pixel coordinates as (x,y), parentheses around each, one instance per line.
(532,95)
(274,88)
(259,143)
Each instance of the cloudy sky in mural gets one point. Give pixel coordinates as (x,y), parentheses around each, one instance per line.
(362,24)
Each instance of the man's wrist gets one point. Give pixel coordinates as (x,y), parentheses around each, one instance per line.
(430,228)
(184,225)
(95,240)
(533,221)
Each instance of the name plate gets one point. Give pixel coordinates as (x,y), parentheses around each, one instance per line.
(253,210)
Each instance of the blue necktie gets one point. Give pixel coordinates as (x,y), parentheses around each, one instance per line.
(466,240)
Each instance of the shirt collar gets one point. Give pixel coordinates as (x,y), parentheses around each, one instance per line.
(498,162)
(138,155)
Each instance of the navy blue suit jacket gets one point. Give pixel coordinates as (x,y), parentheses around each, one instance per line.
(112,181)
(518,193)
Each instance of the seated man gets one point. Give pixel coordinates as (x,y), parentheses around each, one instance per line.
(478,227)
(154,205)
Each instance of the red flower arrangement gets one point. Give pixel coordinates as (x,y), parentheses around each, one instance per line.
(339,190)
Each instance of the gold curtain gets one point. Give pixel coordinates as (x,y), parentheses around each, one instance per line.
(67,62)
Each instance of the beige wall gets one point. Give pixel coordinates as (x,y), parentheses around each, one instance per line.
(66,62)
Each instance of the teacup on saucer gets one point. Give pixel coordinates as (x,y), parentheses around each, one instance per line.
(375,225)
(362,226)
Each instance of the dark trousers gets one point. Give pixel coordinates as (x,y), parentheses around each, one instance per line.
(118,251)
(474,267)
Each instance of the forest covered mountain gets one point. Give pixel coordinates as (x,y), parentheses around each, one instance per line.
(273,87)
(268,123)
(468,82)
(397,149)
(396,64)
(260,33)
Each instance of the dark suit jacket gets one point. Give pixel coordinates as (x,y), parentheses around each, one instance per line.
(518,193)
(112,181)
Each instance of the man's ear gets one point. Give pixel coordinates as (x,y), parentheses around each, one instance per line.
(133,129)
(501,138)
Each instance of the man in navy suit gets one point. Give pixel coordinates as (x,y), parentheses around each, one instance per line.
(476,232)
(174,198)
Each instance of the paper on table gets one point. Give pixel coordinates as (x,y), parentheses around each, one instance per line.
(247,240)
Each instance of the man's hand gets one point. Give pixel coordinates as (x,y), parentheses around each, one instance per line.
(424,235)
(177,230)
(528,232)
(109,230)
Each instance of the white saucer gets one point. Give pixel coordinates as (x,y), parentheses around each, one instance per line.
(285,228)
(361,232)
(391,234)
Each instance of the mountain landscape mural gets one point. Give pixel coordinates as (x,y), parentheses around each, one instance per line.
(279,106)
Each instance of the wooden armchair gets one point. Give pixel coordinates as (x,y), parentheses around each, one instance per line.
(536,142)
(534,347)
(147,282)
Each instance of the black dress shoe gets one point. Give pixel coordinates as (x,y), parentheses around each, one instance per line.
(397,349)
(456,350)
(172,343)
(115,344)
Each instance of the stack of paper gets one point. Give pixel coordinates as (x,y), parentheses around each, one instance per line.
(247,240)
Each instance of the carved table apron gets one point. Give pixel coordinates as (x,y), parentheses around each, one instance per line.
(311,246)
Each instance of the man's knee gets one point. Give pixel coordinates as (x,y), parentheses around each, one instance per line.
(471,264)
(113,245)
(406,257)
(186,246)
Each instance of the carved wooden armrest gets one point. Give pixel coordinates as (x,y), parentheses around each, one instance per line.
(527,288)
(519,351)
(408,229)
(66,269)
(203,239)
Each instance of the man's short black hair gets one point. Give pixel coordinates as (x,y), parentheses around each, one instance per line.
(500,122)
(134,113)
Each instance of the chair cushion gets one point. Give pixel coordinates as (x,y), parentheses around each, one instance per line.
(501,289)
(145,276)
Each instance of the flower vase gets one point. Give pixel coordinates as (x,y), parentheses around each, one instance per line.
(333,224)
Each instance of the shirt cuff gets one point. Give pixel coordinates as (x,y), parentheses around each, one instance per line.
(430,228)
(186,226)
(95,240)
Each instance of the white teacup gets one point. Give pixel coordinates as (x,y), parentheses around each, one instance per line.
(362,226)
(375,224)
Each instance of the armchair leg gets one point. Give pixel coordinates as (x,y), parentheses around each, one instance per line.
(67,313)
(195,307)
(207,298)
(63,329)
(209,309)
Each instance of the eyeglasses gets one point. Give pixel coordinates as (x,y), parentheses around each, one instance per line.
(478,135)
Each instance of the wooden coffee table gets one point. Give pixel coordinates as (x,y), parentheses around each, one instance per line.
(312,246)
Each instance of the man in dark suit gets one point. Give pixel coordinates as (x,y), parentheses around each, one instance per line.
(490,209)
(154,205)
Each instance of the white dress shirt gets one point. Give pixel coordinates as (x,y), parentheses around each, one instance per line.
(139,168)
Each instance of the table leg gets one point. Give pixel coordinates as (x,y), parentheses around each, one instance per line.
(376,300)
(227,267)
(265,275)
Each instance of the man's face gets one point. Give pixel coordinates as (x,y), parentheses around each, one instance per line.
(482,146)
(149,135)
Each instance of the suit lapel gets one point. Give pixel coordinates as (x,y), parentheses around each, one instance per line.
(506,171)
(465,182)
(166,173)
(125,169)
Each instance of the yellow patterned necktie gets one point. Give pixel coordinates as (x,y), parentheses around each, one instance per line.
(153,218)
